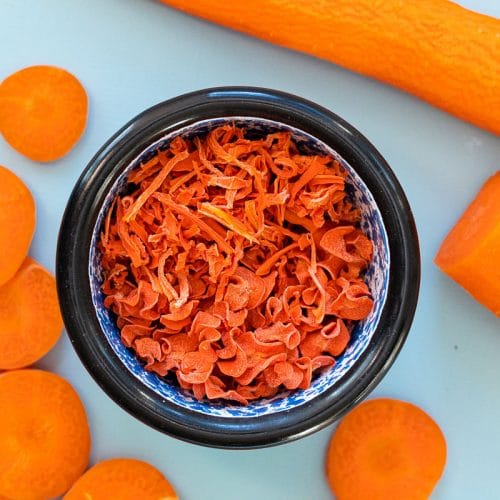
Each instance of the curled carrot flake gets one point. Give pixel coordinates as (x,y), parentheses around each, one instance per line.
(235,264)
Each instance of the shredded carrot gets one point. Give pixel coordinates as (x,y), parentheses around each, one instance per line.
(236,264)
(43,112)
(384,449)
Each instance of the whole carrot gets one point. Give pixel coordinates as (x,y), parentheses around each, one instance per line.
(446,55)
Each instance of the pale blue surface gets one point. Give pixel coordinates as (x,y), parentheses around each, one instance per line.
(131,54)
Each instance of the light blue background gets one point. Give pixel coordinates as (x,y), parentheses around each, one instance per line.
(131,54)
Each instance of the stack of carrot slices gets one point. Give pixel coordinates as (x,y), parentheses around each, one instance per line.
(236,264)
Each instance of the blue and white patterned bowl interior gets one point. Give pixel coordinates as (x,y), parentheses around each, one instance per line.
(377,277)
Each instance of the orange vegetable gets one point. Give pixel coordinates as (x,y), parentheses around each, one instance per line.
(213,270)
(122,479)
(17,223)
(30,319)
(43,112)
(470,254)
(433,49)
(44,435)
(385,449)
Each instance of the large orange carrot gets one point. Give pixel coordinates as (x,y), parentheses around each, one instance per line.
(43,112)
(445,54)
(44,435)
(385,449)
(17,223)
(122,479)
(470,254)
(30,319)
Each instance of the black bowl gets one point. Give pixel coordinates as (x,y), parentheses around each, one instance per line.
(257,427)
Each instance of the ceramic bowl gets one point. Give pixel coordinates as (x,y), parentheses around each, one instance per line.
(393,275)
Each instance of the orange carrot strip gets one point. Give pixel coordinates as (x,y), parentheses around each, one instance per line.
(385,448)
(44,435)
(196,220)
(123,478)
(157,182)
(266,266)
(226,219)
(17,223)
(43,112)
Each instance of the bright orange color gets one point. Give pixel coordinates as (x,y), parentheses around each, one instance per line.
(236,264)
(434,49)
(470,254)
(43,112)
(17,223)
(385,449)
(30,319)
(122,479)
(44,435)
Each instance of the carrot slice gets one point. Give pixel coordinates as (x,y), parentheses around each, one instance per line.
(30,323)
(43,112)
(17,222)
(470,254)
(383,449)
(44,435)
(122,479)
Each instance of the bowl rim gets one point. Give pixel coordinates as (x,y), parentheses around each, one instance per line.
(81,319)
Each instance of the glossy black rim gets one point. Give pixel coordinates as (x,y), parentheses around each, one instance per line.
(74,288)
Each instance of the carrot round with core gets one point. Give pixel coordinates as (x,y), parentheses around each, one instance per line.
(44,435)
(17,222)
(122,479)
(470,254)
(434,49)
(30,318)
(384,449)
(43,112)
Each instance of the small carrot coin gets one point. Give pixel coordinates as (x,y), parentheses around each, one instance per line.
(30,318)
(385,449)
(44,435)
(122,479)
(43,112)
(17,222)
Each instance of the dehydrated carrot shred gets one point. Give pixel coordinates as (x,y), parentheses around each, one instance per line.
(236,264)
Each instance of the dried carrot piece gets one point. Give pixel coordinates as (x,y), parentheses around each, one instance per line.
(43,112)
(226,219)
(231,262)
(122,479)
(44,435)
(385,448)
(30,323)
(17,223)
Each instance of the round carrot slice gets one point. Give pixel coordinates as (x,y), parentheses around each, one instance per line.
(17,222)
(383,449)
(122,479)
(44,435)
(43,112)
(30,318)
